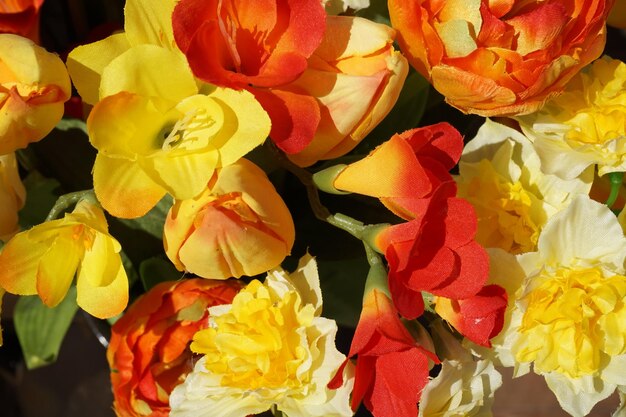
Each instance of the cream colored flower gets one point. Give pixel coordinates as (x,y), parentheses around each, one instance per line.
(269,348)
(584,126)
(568,316)
(500,175)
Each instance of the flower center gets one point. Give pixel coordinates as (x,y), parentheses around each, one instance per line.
(572,319)
(506,218)
(256,344)
(188,132)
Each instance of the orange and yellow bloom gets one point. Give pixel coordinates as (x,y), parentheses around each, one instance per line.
(12,196)
(500,57)
(239,225)
(34,85)
(149,348)
(45,259)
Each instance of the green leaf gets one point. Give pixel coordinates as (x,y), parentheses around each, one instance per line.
(342,283)
(41,329)
(41,194)
(153,221)
(377,12)
(155,270)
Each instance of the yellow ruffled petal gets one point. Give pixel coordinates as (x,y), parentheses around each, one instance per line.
(183,176)
(86,64)
(57,268)
(102,284)
(149,71)
(147,21)
(123,188)
(19,261)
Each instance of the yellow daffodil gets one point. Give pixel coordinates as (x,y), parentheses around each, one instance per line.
(12,196)
(567,317)
(34,85)
(500,174)
(269,348)
(44,260)
(586,125)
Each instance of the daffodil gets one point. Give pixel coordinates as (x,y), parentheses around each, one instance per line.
(586,125)
(45,259)
(269,348)
(567,317)
(500,175)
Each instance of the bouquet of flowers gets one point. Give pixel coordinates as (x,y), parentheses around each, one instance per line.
(227,184)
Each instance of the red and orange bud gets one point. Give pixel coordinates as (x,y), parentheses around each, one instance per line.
(500,57)
(149,350)
(238,226)
(20,17)
(34,85)
(12,196)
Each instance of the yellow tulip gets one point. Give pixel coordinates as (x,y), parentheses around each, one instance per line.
(238,226)
(34,84)
(44,260)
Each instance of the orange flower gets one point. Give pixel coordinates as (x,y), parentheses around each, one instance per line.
(238,226)
(500,57)
(12,196)
(20,17)
(34,84)
(149,350)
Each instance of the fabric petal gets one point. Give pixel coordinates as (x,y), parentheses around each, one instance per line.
(149,22)
(19,260)
(57,269)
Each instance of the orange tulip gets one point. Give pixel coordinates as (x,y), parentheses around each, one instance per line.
(500,57)
(238,226)
(149,349)
(34,84)
(20,17)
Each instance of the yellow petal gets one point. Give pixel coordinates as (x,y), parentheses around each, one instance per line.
(102,284)
(19,261)
(57,268)
(147,21)
(149,71)
(123,187)
(183,176)
(87,62)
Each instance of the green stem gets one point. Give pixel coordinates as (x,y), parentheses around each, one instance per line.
(67,200)
(377,275)
(616,182)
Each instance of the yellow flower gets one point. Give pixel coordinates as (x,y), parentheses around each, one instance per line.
(12,196)
(584,126)
(34,84)
(268,348)
(44,260)
(567,317)
(500,174)
(239,225)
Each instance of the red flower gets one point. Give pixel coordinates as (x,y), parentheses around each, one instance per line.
(391,368)
(479,317)
(149,350)
(256,45)
(20,17)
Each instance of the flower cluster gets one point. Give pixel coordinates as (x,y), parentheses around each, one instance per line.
(211,128)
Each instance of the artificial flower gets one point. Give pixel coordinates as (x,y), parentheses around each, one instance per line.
(465,385)
(20,17)
(145,22)
(258,46)
(34,84)
(355,82)
(584,126)
(156,134)
(45,259)
(391,366)
(567,318)
(149,353)
(268,349)
(500,174)
(12,196)
(617,17)
(406,169)
(500,57)
(239,225)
